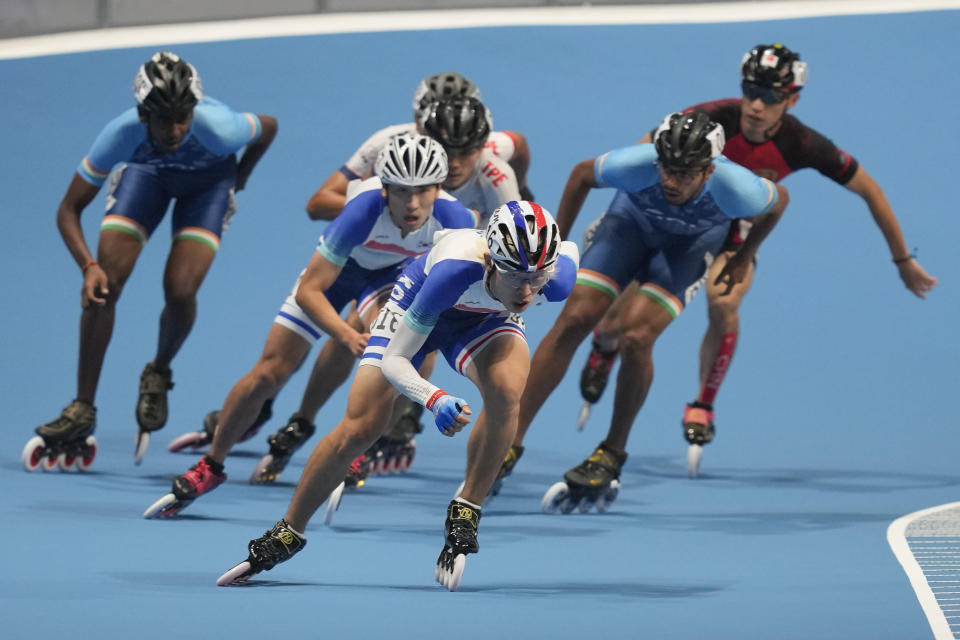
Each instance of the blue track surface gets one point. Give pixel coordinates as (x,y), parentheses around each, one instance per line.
(834,420)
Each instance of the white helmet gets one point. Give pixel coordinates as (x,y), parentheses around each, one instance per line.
(412,160)
(523,236)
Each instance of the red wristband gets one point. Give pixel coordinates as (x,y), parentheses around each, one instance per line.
(439,393)
(89,264)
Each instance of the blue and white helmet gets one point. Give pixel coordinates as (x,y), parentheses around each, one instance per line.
(411,160)
(523,236)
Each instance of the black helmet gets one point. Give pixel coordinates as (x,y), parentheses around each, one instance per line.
(449,84)
(774,66)
(167,85)
(688,140)
(458,123)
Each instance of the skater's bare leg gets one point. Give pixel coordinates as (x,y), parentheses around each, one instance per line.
(282,354)
(368,408)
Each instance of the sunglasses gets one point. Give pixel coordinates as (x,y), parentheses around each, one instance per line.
(768,95)
(517,279)
(681,175)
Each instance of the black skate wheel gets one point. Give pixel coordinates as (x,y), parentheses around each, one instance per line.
(240,573)
(32,453)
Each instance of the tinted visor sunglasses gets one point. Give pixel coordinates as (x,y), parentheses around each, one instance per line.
(768,95)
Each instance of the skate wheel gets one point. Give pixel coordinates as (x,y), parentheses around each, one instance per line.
(584,415)
(159,509)
(49,462)
(604,502)
(694,454)
(585,505)
(554,497)
(450,578)
(262,473)
(32,453)
(194,440)
(333,503)
(65,461)
(84,461)
(240,573)
(142,443)
(403,464)
(459,490)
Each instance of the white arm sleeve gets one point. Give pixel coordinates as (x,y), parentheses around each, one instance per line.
(398,369)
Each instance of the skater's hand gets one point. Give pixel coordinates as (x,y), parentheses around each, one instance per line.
(94,286)
(915,277)
(734,272)
(450,414)
(354,340)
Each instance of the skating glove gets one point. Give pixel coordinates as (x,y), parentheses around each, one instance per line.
(445,409)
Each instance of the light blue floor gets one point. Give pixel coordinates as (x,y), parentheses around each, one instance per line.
(837,416)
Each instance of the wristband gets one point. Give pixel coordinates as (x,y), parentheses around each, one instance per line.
(907,258)
(89,264)
(439,393)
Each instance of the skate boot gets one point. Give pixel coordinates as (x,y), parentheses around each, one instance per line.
(460,530)
(151,406)
(698,429)
(355,478)
(283,444)
(394,452)
(201,478)
(64,442)
(198,439)
(594,482)
(593,380)
(275,546)
(509,462)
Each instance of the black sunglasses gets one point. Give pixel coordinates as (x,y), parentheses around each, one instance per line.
(752,91)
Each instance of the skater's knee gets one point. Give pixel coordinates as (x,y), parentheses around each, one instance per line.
(638,339)
(723,312)
(575,323)
(504,395)
(180,294)
(268,376)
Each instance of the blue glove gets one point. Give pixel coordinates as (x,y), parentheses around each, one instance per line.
(445,409)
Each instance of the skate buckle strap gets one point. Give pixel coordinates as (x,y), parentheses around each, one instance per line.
(80,411)
(459,512)
(608,459)
(291,542)
(697,415)
(152,380)
(275,546)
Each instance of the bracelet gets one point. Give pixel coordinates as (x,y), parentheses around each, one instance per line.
(907,258)
(89,264)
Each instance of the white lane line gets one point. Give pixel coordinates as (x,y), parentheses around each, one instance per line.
(367,22)
(923,528)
